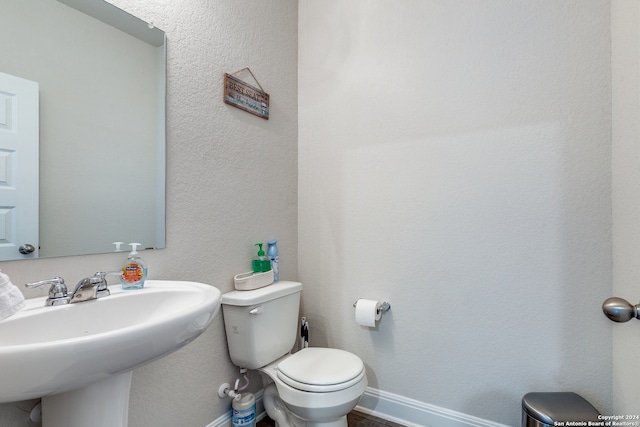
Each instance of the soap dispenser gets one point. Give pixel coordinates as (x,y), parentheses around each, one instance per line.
(134,271)
(261,263)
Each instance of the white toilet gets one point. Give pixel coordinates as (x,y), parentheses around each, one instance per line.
(315,387)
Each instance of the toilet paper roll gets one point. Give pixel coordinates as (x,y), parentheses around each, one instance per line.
(368,312)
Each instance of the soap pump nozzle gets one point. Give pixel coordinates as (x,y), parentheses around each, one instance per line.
(118,245)
(260,251)
(134,248)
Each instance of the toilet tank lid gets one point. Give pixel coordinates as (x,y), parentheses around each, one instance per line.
(261,295)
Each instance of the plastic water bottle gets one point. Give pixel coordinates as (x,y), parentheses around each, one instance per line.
(244,411)
(272,253)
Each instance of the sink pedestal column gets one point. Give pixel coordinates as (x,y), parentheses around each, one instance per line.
(101,404)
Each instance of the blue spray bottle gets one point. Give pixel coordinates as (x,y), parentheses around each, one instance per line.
(272,253)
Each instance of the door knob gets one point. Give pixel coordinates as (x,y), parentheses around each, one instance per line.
(620,310)
(26,249)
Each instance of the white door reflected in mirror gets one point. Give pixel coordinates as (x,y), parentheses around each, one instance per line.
(19,173)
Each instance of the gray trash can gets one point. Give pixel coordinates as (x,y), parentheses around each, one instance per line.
(546,409)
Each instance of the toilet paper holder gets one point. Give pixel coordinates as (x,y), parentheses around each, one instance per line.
(385,306)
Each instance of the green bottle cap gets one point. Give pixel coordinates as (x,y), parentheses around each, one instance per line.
(260,252)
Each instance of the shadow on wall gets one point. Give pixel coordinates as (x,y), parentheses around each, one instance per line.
(18,413)
(372,380)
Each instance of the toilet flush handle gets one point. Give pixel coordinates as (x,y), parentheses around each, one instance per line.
(256,310)
(620,310)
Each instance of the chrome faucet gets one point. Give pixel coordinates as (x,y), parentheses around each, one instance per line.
(93,287)
(87,289)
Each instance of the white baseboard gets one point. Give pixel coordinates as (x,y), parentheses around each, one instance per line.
(392,407)
(413,413)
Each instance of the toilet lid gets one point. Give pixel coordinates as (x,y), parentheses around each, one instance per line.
(321,369)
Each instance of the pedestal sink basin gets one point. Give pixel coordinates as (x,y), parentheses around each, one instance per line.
(79,357)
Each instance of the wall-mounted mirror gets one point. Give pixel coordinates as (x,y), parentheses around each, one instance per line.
(100,81)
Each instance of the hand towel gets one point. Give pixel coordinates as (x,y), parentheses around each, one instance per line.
(11,299)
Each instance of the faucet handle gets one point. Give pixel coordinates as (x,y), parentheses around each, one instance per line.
(103,274)
(57,290)
(100,279)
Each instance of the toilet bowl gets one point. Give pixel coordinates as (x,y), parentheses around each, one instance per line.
(314,387)
(317,385)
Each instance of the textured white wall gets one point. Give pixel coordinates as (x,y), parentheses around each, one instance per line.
(454,158)
(232,181)
(625,58)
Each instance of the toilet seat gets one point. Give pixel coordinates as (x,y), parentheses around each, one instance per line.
(321,370)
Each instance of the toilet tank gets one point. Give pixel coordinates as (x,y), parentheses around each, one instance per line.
(261,324)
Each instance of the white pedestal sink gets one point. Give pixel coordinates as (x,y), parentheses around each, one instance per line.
(78,358)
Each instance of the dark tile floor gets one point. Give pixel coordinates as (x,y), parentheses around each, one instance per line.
(355,419)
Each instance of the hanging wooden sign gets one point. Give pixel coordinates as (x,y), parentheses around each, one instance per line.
(244,96)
